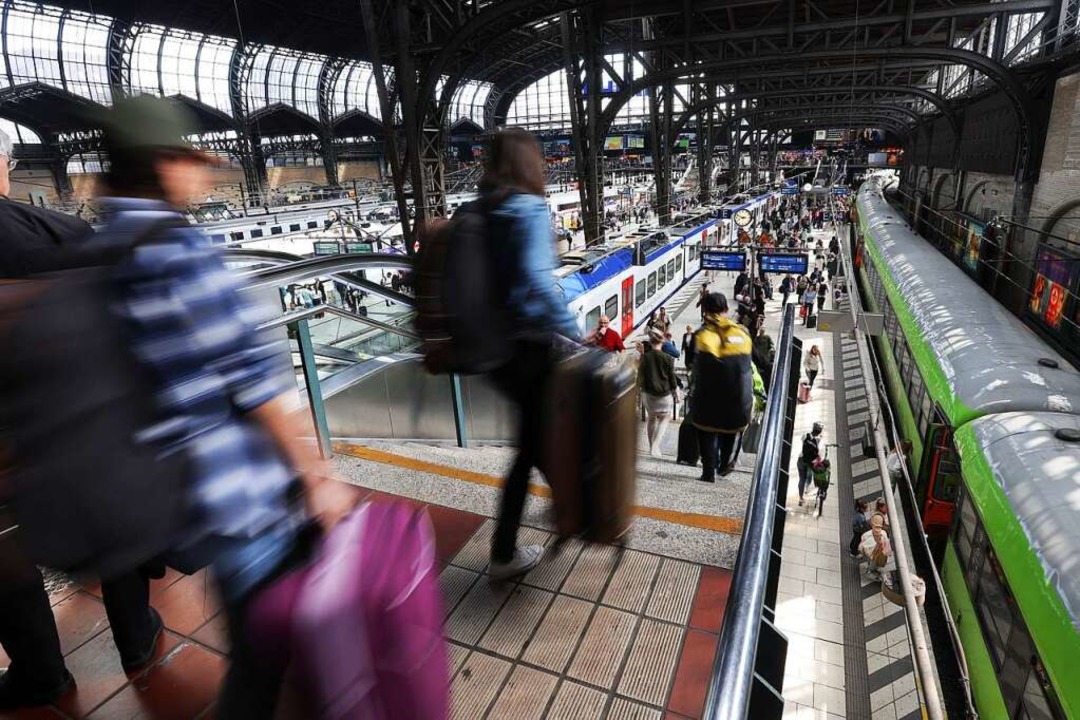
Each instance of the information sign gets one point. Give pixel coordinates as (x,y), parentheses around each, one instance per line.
(789,190)
(326,247)
(357,247)
(839,190)
(723,260)
(794,263)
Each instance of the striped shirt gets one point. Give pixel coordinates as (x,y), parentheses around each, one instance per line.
(194,329)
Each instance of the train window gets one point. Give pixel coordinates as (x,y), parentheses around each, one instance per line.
(275,230)
(967,524)
(639,294)
(312,224)
(904,356)
(892,327)
(661,276)
(678,264)
(915,392)
(671,270)
(611,307)
(652,284)
(295,227)
(256,233)
(237,235)
(1037,704)
(927,413)
(592,320)
(994,603)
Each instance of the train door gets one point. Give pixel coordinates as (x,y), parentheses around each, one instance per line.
(627,306)
(939,480)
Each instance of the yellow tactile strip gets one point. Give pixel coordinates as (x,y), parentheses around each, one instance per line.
(731,526)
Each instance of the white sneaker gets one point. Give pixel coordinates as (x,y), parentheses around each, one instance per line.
(525,559)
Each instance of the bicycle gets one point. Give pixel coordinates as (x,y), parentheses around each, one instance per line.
(821,470)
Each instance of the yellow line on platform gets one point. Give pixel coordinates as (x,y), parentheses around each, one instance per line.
(731,526)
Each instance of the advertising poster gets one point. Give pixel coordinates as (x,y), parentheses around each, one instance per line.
(614,143)
(972,243)
(1055,284)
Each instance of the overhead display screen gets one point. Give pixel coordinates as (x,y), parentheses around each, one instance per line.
(615,142)
(794,263)
(723,260)
(327,247)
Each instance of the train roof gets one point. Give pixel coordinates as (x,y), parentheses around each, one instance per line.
(1023,474)
(976,356)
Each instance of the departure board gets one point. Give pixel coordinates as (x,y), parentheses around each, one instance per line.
(723,260)
(794,263)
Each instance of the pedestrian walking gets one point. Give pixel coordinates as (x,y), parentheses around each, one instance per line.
(813,364)
(659,387)
(811,450)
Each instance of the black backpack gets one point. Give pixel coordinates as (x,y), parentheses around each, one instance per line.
(87,493)
(460,297)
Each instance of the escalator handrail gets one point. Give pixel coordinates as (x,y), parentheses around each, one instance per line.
(294,315)
(287,269)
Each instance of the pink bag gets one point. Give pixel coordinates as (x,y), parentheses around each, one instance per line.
(804,393)
(362,624)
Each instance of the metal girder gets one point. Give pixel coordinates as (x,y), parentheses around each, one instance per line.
(386,111)
(328,77)
(248,151)
(518,11)
(120,44)
(785,30)
(939,102)
(1001,76)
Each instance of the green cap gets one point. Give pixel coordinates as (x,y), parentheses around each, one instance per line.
(148,122)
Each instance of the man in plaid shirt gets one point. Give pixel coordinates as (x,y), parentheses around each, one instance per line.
(223,389)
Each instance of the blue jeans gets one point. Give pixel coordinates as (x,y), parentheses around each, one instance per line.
(806,475)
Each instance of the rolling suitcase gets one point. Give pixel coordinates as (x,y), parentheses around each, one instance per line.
(804,392)
(811,321)
(688,452)
(590,448)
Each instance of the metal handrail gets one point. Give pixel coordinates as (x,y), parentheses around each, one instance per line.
(286,268)
(733,674)
(294,315)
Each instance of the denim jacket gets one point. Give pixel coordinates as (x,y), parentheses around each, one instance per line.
(525,253)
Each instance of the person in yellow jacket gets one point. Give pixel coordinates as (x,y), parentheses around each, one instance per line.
(723,385)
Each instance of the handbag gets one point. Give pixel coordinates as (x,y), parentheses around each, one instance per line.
(751,436)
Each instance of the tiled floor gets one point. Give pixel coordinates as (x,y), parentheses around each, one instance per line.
(594,632)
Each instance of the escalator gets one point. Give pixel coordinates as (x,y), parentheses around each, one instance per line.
(371,380)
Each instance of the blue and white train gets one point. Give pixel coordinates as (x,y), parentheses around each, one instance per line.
(635,276)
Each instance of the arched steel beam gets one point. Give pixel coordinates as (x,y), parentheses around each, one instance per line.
(766,112)
(939,102)
(781,115)
(1018,95)
(483,20)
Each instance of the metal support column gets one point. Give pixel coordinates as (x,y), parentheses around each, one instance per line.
(313,388)
(458,402)
(247,147)
(386,111)
(406,82)
(592,175)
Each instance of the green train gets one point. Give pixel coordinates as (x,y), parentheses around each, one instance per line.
(993,414)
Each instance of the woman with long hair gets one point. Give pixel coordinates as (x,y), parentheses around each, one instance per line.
(813,364)
(512,197)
